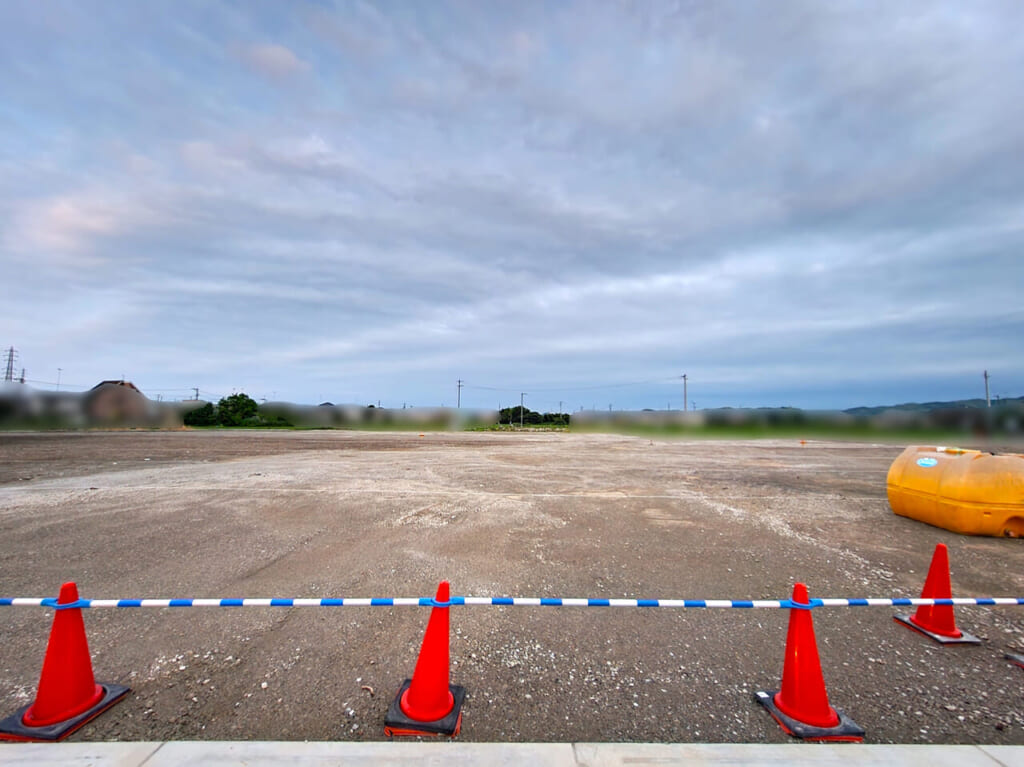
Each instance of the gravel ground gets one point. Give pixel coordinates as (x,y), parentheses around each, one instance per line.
(314,514)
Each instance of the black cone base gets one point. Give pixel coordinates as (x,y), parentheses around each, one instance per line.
(397,723)
(964,637)
(12,728)
(846,730)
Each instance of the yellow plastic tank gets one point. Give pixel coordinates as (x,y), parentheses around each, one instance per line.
(965,491)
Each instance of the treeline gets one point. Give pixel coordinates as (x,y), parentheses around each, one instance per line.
(236,410)
(511,415)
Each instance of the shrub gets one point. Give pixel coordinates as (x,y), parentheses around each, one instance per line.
(202,416)
(234,410)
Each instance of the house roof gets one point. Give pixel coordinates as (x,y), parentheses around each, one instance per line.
(122,382)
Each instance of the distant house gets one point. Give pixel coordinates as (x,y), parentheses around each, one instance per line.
(108,404)
(117,402)
(122,382)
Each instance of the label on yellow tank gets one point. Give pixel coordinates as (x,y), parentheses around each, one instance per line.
(926,463)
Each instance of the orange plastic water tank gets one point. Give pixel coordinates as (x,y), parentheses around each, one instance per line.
(965,491)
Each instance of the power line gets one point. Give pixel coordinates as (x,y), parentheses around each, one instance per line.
(65,384)
(572,388)
(60,384)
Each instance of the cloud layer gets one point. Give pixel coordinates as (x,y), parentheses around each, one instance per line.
(820,206)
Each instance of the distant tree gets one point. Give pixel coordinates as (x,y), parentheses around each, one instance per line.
(202,416)
(234,410)
(511,415)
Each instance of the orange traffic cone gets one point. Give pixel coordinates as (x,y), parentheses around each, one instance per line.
(937,621)
(68,695)
(427,704)
(802,707)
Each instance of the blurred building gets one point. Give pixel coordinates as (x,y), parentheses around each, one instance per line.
(107,404)
(111,403)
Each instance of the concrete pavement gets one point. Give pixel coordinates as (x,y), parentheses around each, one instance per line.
(449,754)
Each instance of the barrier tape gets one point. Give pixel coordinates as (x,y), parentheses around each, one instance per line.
(506,601)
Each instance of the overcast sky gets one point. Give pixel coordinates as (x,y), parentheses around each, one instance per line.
(817,204)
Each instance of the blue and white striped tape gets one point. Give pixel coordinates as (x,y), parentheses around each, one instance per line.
(508,601)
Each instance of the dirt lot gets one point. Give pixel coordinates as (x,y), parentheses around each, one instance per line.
(313,514)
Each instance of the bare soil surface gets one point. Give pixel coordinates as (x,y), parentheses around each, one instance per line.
(318,514)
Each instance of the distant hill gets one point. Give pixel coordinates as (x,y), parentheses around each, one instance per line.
(927,407)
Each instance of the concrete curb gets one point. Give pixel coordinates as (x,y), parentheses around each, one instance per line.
(397,754)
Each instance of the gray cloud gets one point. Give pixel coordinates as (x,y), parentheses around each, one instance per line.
(819,205)
(271,59)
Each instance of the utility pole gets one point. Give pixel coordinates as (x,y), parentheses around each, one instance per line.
(685,400)
(521,395)
(22,380)
(559,407)
(58,378)
(196,390)
(458,399)
(988,401)
(11,356)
